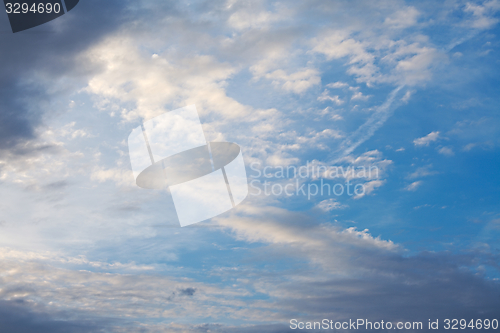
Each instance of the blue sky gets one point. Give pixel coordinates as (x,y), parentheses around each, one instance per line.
(410,88)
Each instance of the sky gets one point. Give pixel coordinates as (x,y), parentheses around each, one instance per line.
(409,89)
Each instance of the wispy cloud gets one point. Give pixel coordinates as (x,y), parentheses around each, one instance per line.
(403,18)
(446,151)
(413,186)
(330,204)
(337,85)
(326,97)
(426,140)
(483,14)
(365,131)
(423,172)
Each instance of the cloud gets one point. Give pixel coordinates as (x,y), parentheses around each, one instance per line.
(366,130)
(366,171)
(370,165)
(31,162)
(422,172)
(483,15)
(121,177)
(337,44)
(337,85)
(69,130)
(130,76)
(332,113)
(495,224)
(446,151)
(330,204)
(43,66)
(188,291)
(18,316)
(297,82)
(407,96)
(358,270)
(413,186)
(253,15)
(284,227)
(406,61)
(413,62)
(325,97)
(403,18)
(208,54)
(359,96)
(108,298)
(329,266)
(426,140)
(369,187)
(137,86)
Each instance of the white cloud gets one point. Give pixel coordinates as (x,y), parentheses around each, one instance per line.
(283,227)
(35,279)
(368,128)
(447,151)
(369,187)
(121,177)
(129,76)
(69,130)
(413,186)
(483,14)
(245,19)
(337,85)
(330,204)
(403,18)
(372,162)
(407,96)
(297,82)
(413,62)
(332,113)
(405,61)
(426,140)
(326,97)
(337,44)
(253,15)
(423,172)
(44,159)
(359,96)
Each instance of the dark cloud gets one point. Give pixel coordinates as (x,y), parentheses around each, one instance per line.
(217,328)
(17,317)
(187,291)
(48,52)
(427,286)
(345,277)
(56,185)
